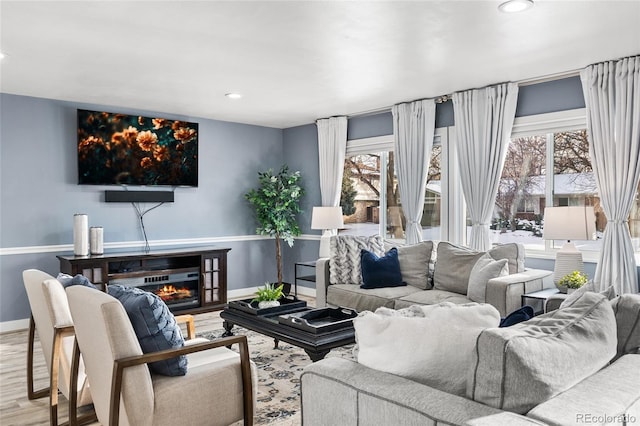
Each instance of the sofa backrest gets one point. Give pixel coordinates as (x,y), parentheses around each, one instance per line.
(454,264)
(627,311)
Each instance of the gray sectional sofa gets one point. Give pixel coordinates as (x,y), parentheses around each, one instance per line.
(434,272)
(576,365)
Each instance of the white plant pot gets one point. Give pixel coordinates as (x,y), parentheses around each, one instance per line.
(571,290)
(268,304)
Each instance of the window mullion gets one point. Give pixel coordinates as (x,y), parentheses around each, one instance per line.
(549,180)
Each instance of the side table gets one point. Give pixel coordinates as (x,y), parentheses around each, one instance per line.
(302,273)
(541,295)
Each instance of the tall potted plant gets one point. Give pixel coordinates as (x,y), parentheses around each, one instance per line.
(276,202)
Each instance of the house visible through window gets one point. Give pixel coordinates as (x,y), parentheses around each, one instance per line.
(371,193)
(525,189)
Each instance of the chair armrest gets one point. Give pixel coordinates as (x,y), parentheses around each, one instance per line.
(505,292)
(188,320)
(322,281)
(245,368)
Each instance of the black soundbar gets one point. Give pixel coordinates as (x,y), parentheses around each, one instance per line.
(138,196)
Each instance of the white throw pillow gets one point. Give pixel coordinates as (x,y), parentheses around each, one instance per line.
(609,293)
(486,268)
(434,349)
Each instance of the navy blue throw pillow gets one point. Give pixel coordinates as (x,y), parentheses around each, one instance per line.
(154,325)
(519,315)
(378,272)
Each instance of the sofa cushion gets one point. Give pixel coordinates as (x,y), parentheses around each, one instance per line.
(414,262)
(453,267)
(412,347)
(513,252)
(354,297)
(608,394)
(154,325)
(570,299)
(519,367)
(344,260)
(379,272)
(454,263)
(627,312)
(486,268)
(430,297)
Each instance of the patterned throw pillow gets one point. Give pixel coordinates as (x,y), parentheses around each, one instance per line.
(344,257)
(154,325)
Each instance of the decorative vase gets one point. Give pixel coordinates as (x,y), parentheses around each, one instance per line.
(80,234)
(268,304)
(96,242)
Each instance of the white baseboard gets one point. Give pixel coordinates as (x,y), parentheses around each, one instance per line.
(243,293)
(17,325)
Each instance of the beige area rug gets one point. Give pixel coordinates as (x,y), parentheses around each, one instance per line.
(278,376)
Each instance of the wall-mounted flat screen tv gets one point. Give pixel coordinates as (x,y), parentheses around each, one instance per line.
(120,149)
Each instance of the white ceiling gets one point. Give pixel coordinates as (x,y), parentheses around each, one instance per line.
(295,62)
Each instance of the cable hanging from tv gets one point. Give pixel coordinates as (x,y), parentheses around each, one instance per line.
(141,214)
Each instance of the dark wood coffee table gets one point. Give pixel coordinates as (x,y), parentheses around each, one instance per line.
(316,345)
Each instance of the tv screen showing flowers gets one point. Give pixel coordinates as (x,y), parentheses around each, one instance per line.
(120,149)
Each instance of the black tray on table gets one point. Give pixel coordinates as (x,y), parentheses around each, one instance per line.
(287,304)
(320,320)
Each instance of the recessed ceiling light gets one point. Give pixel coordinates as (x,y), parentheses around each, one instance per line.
(233,95)
(1,55)
(513,6)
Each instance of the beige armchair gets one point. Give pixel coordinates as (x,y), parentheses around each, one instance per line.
(51,317)
(218,389)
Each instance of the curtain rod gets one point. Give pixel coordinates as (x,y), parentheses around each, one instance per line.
(444,98)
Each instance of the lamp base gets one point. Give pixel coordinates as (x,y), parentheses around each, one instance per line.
(568,259)
(325,243)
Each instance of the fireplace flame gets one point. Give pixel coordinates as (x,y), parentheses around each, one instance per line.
(169,292)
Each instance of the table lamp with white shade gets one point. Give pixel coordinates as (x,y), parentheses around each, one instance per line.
(329,219)
(568,223)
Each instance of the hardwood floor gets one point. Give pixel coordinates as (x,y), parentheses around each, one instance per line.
(16,409)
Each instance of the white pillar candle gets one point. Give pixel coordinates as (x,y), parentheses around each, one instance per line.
(96,239)
(81,234)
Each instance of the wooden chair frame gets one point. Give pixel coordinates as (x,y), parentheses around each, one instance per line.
(31,394)
(191,327)
(121,364)
(74,419)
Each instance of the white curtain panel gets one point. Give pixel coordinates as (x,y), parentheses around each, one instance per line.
(413,128)
(612,95)
(332,146)
(484,118)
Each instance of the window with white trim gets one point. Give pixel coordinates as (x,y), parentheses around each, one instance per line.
(371,194)
(551,142)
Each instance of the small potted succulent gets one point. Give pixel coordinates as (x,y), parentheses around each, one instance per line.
(269,295)
(573,281)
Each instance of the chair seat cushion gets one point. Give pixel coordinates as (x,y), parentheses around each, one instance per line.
(154,325)
(214,377)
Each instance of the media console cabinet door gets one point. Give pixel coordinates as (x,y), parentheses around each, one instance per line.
(214,286)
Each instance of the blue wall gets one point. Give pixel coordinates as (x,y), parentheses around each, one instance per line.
(39,195)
